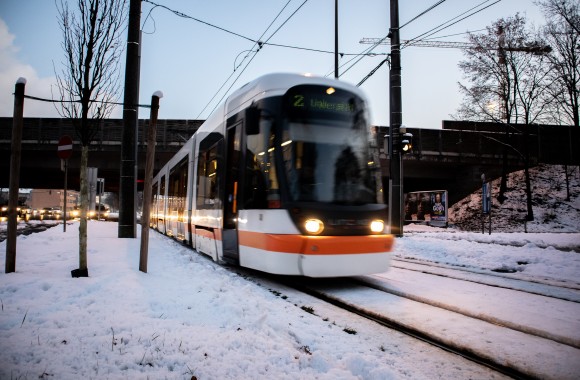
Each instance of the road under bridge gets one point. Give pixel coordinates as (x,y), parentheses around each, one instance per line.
(452,158)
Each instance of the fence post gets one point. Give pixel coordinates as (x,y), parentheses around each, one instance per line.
(13,190)
(147,181)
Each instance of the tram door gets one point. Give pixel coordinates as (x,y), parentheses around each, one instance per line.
(233,189)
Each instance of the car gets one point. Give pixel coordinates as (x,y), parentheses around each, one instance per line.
(22,212)
(100,212)
(51,213)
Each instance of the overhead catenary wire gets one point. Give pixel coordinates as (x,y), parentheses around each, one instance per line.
(370,49)
(183,15)
(260,44)
(438,28)
(451,22)
(255,53)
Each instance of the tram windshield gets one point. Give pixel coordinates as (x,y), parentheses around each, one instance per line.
(325,147)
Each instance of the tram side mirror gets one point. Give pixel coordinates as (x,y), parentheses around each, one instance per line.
(252,120)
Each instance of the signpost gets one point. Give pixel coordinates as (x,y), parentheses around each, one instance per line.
(64,151)
(485,203)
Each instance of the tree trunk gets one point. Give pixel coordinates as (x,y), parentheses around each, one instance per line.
(84,209)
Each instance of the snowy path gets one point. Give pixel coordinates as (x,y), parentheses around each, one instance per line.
(187,316)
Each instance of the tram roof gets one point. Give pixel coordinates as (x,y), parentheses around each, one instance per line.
(277,84)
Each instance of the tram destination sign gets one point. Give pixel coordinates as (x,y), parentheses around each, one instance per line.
(329,103)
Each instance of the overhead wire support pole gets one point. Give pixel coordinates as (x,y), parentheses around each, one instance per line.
(14,186)
(128,183)
(148,181)
(395,106)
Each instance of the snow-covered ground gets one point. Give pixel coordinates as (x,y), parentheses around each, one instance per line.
(189,317)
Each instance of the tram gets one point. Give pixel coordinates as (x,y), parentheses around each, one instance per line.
(282,179)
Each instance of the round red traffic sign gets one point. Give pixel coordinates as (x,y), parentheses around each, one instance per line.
(65,146)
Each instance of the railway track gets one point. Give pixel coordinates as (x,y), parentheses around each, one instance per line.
(502,339)
(423,336)
(502,346)
(560,289)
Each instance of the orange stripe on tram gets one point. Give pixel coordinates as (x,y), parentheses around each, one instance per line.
(316,245)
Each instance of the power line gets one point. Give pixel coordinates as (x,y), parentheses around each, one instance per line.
(367,51)
(246,56)
(321,51)
(79,101)
(183,15)
(416,42)
(423,13)
(453,21)
(255,53)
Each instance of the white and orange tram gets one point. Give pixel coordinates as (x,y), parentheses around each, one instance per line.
(282,179)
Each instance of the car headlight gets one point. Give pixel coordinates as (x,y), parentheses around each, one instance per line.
(314,226)
(377,226)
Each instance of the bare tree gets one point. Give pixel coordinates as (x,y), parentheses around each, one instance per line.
(562,32)
(507,74)
(566,11)
(89,81)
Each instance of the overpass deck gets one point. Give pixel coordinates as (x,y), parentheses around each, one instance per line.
(451,158)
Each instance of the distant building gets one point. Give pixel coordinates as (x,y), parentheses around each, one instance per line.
(41,198)
(23,196)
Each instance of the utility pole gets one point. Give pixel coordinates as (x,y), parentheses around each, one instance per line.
(396,112)
(128,183)
(336,39)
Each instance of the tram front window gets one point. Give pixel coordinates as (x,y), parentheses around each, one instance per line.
(325,148)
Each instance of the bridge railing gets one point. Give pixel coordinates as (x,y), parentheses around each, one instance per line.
(557,145)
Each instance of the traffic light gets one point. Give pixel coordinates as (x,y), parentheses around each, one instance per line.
(406,143)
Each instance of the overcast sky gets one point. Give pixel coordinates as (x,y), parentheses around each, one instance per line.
(189,61)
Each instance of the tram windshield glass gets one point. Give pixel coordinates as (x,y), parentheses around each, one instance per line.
(325,147)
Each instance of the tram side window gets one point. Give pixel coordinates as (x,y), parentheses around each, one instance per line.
(154,200)
(261,183)
(162,196)
(207,185)
(178,188)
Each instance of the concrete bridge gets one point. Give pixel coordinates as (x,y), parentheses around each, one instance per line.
(452,158)
(41,168)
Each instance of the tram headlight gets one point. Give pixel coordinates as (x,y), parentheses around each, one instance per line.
(314,226)
(377,226)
